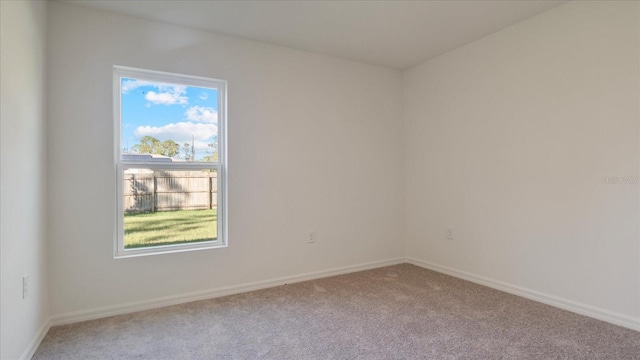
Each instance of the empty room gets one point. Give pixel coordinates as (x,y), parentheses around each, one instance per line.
(320,179)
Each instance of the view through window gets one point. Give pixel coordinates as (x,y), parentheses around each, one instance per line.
(169,160)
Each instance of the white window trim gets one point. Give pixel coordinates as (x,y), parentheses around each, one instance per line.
(120,166)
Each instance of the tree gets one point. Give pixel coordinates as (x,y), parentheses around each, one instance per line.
(147,145)
(188,155)
(213,152)
(170,148)
(151,145)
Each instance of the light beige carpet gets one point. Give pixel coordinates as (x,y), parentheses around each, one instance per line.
(396,312)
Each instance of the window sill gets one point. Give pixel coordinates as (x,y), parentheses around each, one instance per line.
(168,249)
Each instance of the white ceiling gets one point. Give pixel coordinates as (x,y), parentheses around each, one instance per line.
(395,34)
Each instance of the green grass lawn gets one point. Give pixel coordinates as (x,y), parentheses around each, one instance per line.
(169,227)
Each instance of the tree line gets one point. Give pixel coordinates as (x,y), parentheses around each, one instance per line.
(170,148)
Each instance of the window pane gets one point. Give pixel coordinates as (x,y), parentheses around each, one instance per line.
(169,207)
(168,121)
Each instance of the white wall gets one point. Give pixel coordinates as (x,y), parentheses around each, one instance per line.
(507,141)
(22,171)
(314,143)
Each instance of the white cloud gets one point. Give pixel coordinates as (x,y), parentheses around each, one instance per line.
(133,84)
(174,96)
(181,132)
(165,98)
(204,96)
(202,114)
(167,94)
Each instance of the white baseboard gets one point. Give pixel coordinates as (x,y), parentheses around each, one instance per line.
(582,309)
(92,314)
(37,339)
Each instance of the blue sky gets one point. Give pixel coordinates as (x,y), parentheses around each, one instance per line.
(167,111)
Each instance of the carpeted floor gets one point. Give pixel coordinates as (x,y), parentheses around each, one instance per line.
(396,312)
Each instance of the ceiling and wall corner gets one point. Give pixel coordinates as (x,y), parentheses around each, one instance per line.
(394,34)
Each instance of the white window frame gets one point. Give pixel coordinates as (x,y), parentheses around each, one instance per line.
(120,166)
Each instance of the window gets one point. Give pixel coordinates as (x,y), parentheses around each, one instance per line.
(170,162)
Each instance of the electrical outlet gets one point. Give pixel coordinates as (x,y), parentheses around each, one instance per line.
(449,233)
(312,237)
(25,286)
